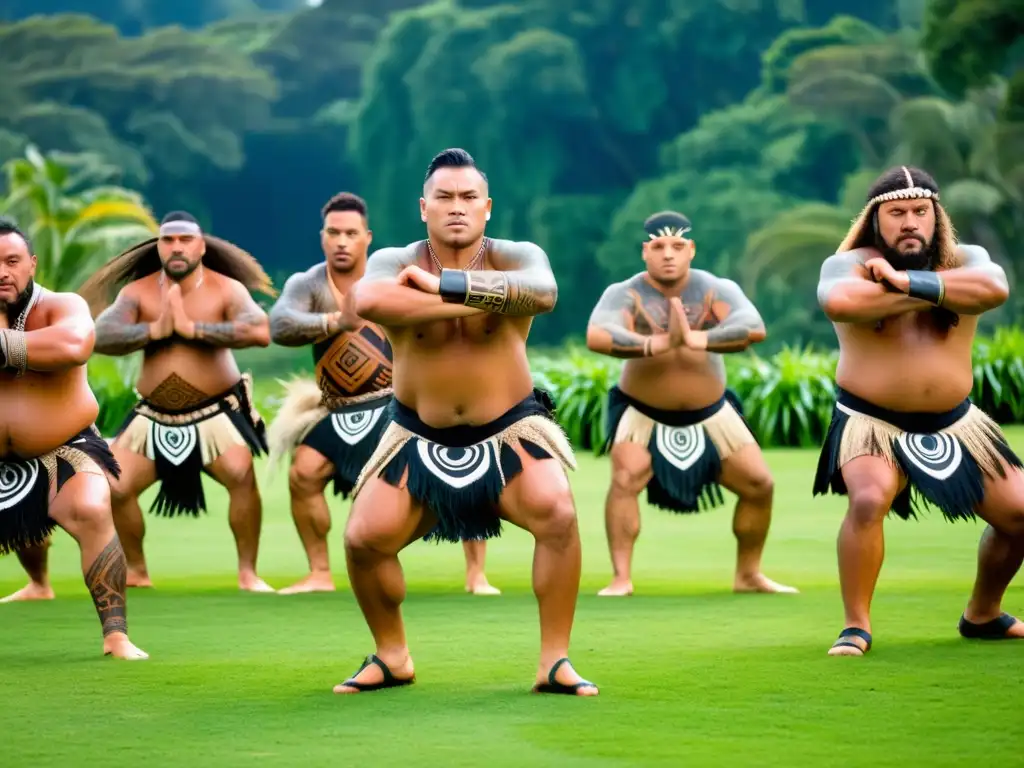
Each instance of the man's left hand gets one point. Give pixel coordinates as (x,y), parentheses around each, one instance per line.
(692,339)
(881,271)
(183,326)
(420,279)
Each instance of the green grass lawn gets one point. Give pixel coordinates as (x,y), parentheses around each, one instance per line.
(690,673)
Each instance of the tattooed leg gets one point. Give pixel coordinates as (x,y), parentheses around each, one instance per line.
(106,580)
(82,508)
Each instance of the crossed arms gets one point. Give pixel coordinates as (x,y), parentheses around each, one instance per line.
(856,289)
(119,332)
(613,323)
(395,292)
(65,342)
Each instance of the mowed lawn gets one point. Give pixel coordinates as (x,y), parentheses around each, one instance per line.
(691,674)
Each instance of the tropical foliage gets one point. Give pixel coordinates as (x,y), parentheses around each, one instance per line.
(764,122)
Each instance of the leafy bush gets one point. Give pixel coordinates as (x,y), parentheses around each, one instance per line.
(999,375)
(579,381)
(112,381)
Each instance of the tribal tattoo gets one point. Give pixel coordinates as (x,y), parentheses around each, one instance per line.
(632,313)
(244,315)
(107,582)
(525,288)
(301,313)
(118,331)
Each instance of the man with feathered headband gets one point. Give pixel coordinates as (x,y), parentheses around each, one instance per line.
(673,426)
(331,426)
(183,299)
(54,465)
(905,298)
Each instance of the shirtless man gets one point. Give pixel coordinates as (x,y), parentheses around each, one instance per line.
(673,427)
(471,442)
(186,305)
(331,426)
(901,289)
(53,463)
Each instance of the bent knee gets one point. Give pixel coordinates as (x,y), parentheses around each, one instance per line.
(869,504)
(237,474)
(628,481)
(85,513)
(553,514)
(305,481)
(759,487)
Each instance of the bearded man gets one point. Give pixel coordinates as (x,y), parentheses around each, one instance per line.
(183,300)
(54,465)
(905,299)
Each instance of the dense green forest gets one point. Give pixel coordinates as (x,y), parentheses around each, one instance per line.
(763,121)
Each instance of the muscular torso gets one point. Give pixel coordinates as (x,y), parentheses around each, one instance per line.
(42,410)
(681,379)
(466,371)
(907,363)
(178,373)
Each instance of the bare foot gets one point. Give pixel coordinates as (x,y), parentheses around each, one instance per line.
(565,678)
(317,581)
(31,591)
(762,584)
(250,582)
(617,589)
(139,579)
(119,646)
(481,587)
(371,676)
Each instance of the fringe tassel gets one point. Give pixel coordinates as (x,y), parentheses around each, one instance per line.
(299,413)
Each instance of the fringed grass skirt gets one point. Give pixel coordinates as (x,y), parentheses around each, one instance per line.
(687,447)
(183,444)
(945,456)
(346,435)
(25,486)
(459,473)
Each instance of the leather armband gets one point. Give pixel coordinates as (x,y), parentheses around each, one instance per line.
(926,285)
(454,286)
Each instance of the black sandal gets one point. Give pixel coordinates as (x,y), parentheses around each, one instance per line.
(990,630)
(553,686)
(389,681)
(854,632)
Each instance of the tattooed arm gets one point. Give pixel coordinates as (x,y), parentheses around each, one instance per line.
(973,288)
(118,330)
(848,294)
(525,286)
(293,323)
(383,298)
(739,326)
(246,325)
(611,330)
(65,342)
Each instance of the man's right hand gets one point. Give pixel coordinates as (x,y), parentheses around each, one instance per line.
(163,326)
(677,324)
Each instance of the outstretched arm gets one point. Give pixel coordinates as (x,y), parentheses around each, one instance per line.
(381,298)
(118,330)
(246,324)
(738,329)
(293,323)
(848,294)
(524,285)
(66,342)
(611,327)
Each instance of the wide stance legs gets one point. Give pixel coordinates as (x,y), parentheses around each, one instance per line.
(872,485)
(744,473)
(385,519)
(233,470)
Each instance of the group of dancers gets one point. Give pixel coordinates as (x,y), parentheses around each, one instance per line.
(424,412)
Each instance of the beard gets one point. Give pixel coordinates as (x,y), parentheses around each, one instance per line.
(179,273)
(927,257)
(14,308)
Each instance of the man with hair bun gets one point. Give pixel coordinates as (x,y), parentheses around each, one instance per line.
(183,299)
(673,426)
(905,298)
(331,426)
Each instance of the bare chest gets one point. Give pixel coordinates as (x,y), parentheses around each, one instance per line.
(471,330)
(205,304)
